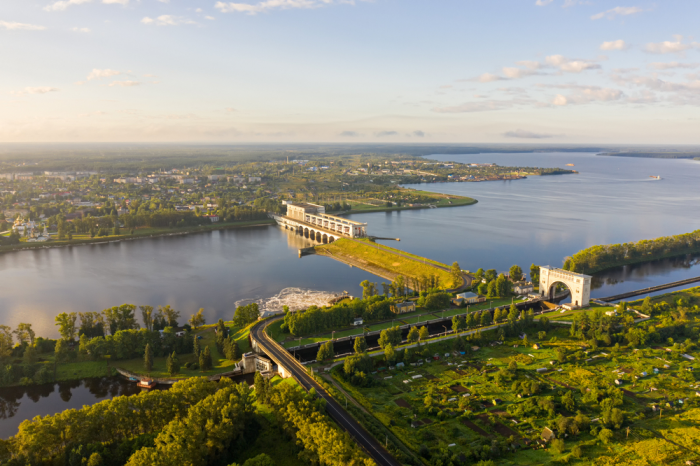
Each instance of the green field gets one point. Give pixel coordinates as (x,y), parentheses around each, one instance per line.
(366,255)
(468,423)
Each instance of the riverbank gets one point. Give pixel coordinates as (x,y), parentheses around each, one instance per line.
(139,233)
(84,367)
(383,262)
(377,205)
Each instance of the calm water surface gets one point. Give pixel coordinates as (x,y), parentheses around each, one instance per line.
(537,220)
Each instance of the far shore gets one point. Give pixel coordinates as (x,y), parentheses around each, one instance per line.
(143,234)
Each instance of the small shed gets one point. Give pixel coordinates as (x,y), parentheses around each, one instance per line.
(548,434)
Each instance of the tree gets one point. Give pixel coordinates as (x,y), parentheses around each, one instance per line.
(492,290)
(173,364)
(66,325)
(170,315)
(457,323)
(260,387)
(197,320)
(515,273)
(605,435)
(147,316)
(558,445)
(325,351)
(24,333)
(61,350)
(360,345)
(30,354)
(479,275)
(196,349)
(647,307)
(513,313)
(456,272)
(148,358)
(412,335)
(234,352)
(245,315)
(483,289)
(390,336)
(535,273)
(261,460)
(389,353)
(205,361)
(423,334)
(490,275)
(95,460)
(567,400)
(369,289)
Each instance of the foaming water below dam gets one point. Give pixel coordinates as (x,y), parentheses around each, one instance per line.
(295,298)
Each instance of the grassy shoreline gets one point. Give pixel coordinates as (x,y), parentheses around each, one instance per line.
(643,260)
(366,256)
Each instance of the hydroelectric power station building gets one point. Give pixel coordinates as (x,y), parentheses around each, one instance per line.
(312,221)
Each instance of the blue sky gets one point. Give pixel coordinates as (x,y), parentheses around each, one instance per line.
(559,71)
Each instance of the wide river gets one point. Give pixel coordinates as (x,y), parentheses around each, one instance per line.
(537,220)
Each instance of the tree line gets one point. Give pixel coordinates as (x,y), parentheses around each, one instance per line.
(600,257)
(196,422)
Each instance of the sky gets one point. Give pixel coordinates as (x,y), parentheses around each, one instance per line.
(423,71)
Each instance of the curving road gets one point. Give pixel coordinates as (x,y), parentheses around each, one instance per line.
(345,420)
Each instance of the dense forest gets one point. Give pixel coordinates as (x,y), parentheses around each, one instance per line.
(196,422)
(597,258)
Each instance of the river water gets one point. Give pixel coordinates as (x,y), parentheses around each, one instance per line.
(537,220)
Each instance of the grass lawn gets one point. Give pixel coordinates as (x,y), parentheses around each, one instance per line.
(383,258)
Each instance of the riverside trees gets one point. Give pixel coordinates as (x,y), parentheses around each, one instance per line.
(596,258)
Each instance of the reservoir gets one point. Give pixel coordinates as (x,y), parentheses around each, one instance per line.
(536,220)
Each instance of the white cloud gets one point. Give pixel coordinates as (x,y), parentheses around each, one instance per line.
(673,65)
(210,18)
(586,94)
(543,2)
(618,11)
(523,134)
(533,65)
(168,1)
(167,20)
(517,73)
(124,83)
(99,74)
(614,45)
(150,76)
(35,90)
(488,77)
(76,29)
(559,100)
(12,26)
(570,66)
(63,4)
(267,5)
(675,46)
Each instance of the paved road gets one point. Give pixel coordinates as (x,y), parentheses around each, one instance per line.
(361,436)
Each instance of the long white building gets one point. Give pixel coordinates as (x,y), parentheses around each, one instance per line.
(312,221)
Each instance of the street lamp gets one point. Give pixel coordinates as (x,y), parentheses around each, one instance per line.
(445,330)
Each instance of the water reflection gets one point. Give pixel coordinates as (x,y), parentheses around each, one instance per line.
(637,276)
(20,403)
